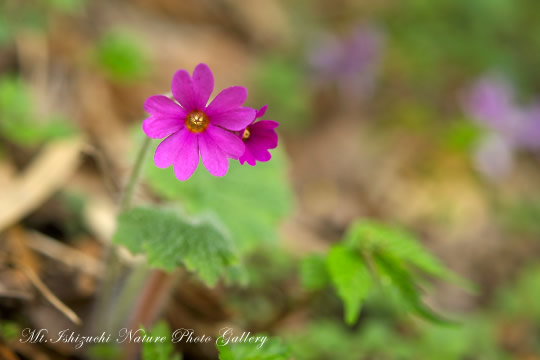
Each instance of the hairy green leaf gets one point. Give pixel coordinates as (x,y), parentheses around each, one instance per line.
(350,277)
(250,201)
(170,240)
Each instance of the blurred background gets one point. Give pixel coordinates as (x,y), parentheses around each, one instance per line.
(419,113)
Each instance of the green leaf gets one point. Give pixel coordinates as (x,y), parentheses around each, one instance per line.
(314,274)
(462,135)
(370,236)
(159,351)
(404,282)
(170,240)
(350,277)
(250,201)
(272,349)
(9,330)
(121,57)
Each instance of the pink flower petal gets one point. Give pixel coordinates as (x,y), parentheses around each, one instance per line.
(167,151)
(235,120)
(228,142)
(183,90)
(187,158)
(162,105)
(158,127)
(228,99)
(261,111)
(203,82)
(265,124)
(247,157)
(266,138)
(259,151)
(213,158)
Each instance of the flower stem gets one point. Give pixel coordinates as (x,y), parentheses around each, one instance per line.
(127,195)
(112,287)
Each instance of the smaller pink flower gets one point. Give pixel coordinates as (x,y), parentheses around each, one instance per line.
(259,137)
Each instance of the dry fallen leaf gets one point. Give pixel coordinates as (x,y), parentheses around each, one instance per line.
(45,175)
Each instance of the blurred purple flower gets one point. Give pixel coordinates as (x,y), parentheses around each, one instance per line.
(512,127)
(528,135)
(190,126)
(259,137)
(493,156)
(490,102)
(352,61)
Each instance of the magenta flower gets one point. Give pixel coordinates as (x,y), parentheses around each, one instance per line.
(191,127)
(259,137)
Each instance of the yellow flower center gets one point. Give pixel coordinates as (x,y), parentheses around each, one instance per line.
(197,121)
(246,134)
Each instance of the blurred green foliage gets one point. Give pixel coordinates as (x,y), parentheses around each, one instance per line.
(477,336)
(282,83)
(269,273)
(250,201)
(16,16)
(269,264)
(350,276)
(272,349)
(67,6)
(121,57)
(313,272)
(386,253)
(159,351)
(383,340)
(5,30)
(9,330)
(520,299)
(461,135)
(436,41)
(521,216)
(18,120)
(104,352)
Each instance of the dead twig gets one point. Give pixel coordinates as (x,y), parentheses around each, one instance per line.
(51,298)
(23,260)
(64,254)
(14,294)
